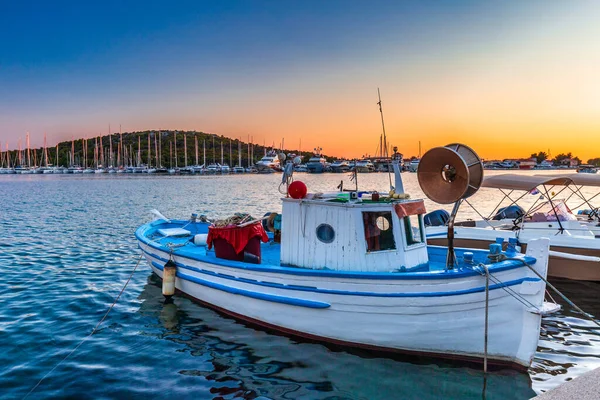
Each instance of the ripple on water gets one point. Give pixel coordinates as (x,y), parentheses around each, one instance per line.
(68,247)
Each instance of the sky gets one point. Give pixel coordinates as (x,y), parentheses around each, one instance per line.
(507,78)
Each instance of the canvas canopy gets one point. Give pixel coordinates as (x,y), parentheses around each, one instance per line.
(580,179)
(523,182)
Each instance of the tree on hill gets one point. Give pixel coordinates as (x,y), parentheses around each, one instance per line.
(564,158)
(594,161)
(540,156)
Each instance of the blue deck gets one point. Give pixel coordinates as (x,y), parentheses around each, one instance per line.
(270,254)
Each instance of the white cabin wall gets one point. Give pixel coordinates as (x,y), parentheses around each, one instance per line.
(348,250)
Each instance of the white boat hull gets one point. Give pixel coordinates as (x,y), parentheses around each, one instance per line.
(440,317)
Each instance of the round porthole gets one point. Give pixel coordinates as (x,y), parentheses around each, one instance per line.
(382,223)
(325,233)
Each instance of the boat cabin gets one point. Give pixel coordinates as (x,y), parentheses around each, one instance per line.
(353,235)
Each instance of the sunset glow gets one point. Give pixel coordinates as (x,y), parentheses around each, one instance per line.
(506,78)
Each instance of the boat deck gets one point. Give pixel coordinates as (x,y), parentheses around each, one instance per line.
(270,253)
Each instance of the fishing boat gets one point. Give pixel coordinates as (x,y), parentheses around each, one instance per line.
(537,206)
(354,269)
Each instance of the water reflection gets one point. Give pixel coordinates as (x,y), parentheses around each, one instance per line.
(242,362)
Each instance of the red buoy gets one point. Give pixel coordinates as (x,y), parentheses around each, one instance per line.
(297,190)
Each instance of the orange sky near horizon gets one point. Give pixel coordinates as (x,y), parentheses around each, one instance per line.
(506,81)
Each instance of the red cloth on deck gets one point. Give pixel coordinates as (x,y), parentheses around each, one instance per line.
(237,237)
(410,208)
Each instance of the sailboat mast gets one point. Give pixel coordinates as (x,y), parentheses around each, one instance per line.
(175,146)
(196,148)
(230,154)
(122,150)
(156,150)
(185,148)
(204,150)
(110,152)
(28,152)
(160,149)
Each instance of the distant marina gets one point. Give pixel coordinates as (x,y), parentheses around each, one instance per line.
(146,153)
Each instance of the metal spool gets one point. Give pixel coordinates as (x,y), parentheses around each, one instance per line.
(450,173)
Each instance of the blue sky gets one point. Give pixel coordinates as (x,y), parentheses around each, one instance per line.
(269,69)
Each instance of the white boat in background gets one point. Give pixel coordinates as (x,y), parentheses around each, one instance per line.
(269,163)
(225,169)
(587,169)
(238,169)
(363,166)
(413,165)
(543,212)
(358,273)
(317,164)
(340,166)
(300,168)
(213,169)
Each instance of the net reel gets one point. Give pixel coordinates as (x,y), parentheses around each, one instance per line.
(449,175)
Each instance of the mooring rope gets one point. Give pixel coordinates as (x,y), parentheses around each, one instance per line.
(487,306)
(93,331)
(565,298)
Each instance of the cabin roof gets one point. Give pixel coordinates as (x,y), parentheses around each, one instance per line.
(524,182)
(351,203)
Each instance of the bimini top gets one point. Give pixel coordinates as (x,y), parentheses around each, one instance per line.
(580,179)
(524,182)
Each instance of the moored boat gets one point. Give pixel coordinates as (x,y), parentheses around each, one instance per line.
(574,238)
(341,269)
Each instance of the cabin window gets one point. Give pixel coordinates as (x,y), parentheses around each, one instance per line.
(413,225)
(379,234)
(325,233)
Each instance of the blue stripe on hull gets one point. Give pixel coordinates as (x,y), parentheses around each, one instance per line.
(248,293)
(332,291)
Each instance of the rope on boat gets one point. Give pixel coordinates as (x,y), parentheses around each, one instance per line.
(565,298)
(482,270)
(487,303)
(91,333)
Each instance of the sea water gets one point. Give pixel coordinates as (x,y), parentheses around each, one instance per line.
(67,249)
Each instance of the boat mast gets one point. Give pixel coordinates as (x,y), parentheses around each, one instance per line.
(204,151)
(230,154)
(160,149)
(122,150)
(28,152)
(196,147)
(175,146)
(185,148)
(221,152)
(384,136)
(149,151)
(240,152)
(157,165)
